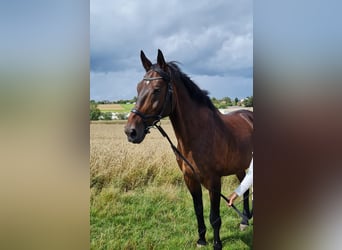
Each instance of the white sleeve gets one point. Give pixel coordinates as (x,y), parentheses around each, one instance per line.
(247,182)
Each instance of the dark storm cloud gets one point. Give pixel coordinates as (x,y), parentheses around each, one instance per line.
(208,38)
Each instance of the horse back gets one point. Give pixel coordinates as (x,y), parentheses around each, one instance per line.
(240,126)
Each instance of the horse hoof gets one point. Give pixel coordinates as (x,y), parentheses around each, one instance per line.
(243,227)
(201,243)
(218,245)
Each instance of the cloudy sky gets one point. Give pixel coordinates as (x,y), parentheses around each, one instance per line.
(213,41)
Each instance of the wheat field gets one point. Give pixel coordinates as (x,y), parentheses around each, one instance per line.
(115,161)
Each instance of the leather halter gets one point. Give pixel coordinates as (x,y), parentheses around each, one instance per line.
(168,97)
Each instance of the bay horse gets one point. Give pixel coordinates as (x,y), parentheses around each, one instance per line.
(216,145)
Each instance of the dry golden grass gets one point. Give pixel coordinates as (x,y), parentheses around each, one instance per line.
(110,107)
(115,161)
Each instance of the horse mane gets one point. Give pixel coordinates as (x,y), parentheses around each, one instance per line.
(198,95)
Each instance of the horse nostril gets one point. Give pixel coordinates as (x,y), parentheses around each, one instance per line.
(133,133)
(130,132)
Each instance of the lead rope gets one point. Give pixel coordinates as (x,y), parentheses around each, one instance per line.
(176,151)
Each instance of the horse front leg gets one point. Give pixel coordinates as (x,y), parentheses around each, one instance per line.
(196,192)
(215,218)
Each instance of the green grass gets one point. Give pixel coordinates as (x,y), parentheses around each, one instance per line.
(157,217)
(127,107)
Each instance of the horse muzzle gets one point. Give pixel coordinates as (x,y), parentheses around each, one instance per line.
(134,135)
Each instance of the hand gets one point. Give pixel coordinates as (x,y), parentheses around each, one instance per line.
(232,198)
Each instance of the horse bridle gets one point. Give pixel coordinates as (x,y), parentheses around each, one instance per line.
(168,98)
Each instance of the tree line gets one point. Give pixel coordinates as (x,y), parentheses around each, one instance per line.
(225,102)
(115,102)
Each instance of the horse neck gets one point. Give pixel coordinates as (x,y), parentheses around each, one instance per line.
(189,119)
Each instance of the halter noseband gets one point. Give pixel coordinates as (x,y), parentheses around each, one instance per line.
(145,117)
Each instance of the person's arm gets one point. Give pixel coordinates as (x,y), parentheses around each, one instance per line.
(246,183)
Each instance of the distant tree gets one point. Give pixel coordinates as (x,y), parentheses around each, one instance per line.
(215,102)
(107,115)
(221,106)
(227,101)
(248,101)
(236,101)
(94,113)
(122,116)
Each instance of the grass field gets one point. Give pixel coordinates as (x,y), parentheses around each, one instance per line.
(139,200)
(120,108)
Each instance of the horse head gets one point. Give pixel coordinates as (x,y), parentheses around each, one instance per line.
(154,99)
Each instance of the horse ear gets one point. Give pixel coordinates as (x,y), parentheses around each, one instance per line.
(161,61)
(145,62)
